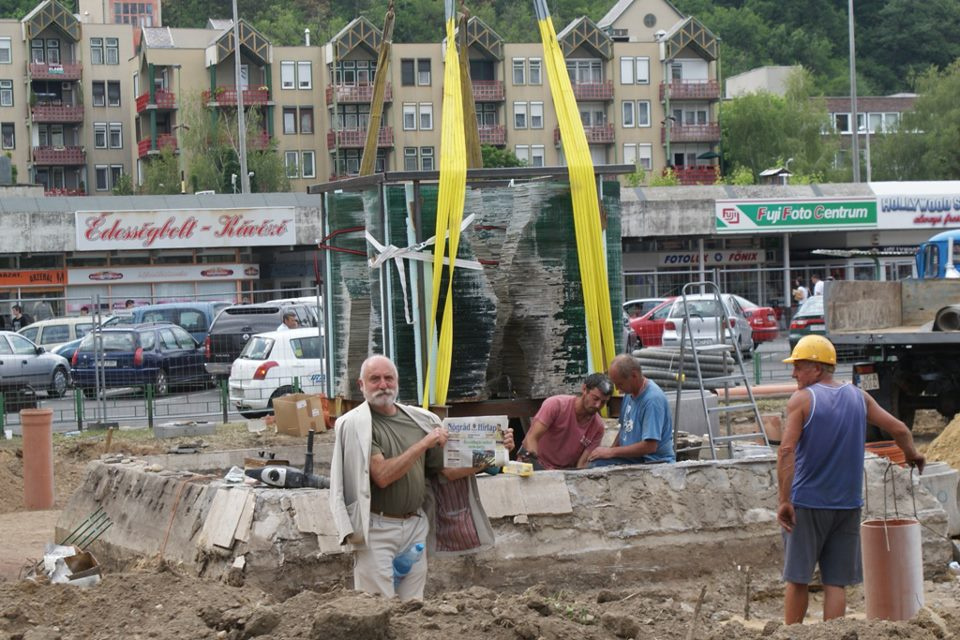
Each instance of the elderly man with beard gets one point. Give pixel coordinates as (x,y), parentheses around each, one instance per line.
(389,488)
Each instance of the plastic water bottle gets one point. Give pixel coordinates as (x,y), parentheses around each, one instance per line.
(954,568)
(405,561)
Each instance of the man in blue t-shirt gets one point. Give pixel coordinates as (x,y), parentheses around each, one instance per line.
(646,430)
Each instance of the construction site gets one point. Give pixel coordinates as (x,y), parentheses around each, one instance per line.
(491,290)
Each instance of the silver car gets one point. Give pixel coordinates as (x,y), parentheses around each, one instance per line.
(24,364)
(705,316)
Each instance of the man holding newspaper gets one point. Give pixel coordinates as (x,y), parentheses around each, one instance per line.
(389,482)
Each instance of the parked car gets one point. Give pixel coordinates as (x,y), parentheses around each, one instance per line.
(808,319)
(705,316)
(67,349)
(234,326)
(51,333)
(158,353)
(195,317)
(762,319)
(647,329)
(270,363)
(24,364)
(634,309)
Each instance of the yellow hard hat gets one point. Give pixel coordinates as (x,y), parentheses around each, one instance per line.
(815,349)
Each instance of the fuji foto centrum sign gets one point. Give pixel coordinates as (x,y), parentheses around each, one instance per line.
(185,229)
(777,216)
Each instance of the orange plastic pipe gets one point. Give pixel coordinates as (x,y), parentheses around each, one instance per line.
(37,425)
(892,568)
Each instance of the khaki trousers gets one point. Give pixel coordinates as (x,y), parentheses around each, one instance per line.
(389,537)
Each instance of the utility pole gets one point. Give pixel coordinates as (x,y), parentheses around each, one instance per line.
(241,117)
(854,125)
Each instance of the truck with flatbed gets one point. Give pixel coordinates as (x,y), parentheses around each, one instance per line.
(908,332)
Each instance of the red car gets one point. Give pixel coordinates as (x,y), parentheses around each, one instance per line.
(763,320)
(648,328)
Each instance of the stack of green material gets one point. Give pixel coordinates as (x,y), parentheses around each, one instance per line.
(518,323)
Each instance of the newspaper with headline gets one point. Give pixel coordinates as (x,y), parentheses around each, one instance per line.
(475,442)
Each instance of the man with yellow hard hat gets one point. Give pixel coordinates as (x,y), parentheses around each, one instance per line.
(820,477)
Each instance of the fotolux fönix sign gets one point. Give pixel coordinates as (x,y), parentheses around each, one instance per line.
(181,229)
(774,216)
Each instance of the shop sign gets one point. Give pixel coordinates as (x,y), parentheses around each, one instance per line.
(185,229)
(918,205)
(32,278)
(711,258)
(777,216)
(164,273)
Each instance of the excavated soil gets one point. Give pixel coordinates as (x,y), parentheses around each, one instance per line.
(946,446)
(154,600)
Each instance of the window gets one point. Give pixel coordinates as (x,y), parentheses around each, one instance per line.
(116,135)
(410,159)
(536,155)
(288,74)
(103,177)
(100,135)
(585,71)
(53,51)
(536,115)
(6,93)
(841,122)
(136,84)
(113,50)
(426,158)
(628,119)
(36,51)
(535,74)
(6,56)
(643,70)
(305,75)
(306,119)
(409,117)
(634,70)
(519,69)
(291,161)
(487,114)
(519,115)
(423,72)
(643,113)
(289,120)
(407,74)
(7,136)
(116,170)
(113,93)
(309,164)
(426,116)
(522,152)
(639,155)
(96,50)
(99,94)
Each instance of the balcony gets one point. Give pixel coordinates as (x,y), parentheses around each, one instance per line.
(58,193)
(163,99)
(692,133)
(594,90)
(691,90)
(600,134)
(65,71)
(495,135)
(164,140)
(226,96)
(355,138)
(704,174)
(59,155)
(487,91)
(354,93)
(56,113)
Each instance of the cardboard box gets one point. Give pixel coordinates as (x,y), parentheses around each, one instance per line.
(319,410)
(292,414)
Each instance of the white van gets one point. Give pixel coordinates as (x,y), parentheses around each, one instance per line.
(52,333)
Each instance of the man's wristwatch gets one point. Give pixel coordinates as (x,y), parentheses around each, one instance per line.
(524,454)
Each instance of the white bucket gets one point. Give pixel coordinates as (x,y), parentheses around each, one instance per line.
(940,479)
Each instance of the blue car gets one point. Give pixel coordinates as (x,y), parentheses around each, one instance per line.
(157,353)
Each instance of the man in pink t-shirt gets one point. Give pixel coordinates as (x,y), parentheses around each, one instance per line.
(567,428)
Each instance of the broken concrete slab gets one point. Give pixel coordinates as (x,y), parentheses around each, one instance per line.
(184,429)
(543,493)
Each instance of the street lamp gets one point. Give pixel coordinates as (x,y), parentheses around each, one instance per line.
(178,126)
(854,139)
(865,129)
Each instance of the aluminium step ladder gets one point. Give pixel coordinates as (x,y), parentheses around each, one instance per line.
(724,344)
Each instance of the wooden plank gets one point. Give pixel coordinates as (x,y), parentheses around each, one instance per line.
(246,518)
(220,525)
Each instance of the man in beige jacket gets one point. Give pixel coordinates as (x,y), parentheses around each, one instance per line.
(389,488)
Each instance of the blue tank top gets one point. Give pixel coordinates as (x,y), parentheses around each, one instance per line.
(829,462)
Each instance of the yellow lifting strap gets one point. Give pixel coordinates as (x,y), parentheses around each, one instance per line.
(453,187)
(583,190)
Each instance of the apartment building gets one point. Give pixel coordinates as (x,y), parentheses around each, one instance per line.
(81,104)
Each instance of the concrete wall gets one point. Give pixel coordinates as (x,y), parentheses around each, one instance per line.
(669,520)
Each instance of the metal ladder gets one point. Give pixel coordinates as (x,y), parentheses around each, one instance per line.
(725,346)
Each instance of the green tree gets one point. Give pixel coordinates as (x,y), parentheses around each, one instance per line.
(124,186)
(161,174)
(496,157)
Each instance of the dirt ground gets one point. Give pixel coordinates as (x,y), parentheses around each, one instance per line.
(158,601)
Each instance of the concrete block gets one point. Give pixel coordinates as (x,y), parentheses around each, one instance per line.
(543,493)
(184,429)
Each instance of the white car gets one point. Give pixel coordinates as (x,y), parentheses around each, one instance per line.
(273,364)
(705,315)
